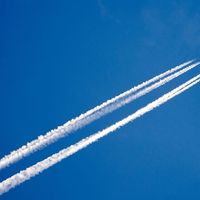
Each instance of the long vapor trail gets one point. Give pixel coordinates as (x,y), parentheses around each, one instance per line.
(93,114)
(39,167)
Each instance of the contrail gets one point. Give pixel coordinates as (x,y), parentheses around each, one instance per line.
(92,115)
(39,167)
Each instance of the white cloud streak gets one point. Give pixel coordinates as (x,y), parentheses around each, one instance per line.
(94,114)
(39,167)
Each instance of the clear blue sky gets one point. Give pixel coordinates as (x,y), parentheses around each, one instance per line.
(60,58)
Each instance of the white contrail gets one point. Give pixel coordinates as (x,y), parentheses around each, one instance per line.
(92,115)
(39,167)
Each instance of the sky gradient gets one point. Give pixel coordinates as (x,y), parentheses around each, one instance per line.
(61,58)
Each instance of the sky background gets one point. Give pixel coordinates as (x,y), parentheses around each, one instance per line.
(61,58)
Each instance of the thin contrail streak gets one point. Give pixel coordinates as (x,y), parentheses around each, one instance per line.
(39,167)
(92,115)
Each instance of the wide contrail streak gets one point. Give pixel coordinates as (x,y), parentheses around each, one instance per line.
(39,167)
(93,114)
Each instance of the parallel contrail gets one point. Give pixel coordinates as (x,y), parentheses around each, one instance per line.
(39,167)
(93,115)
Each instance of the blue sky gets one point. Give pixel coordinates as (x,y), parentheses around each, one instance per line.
(61,58)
